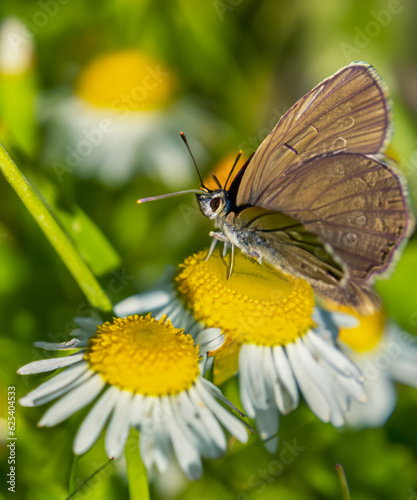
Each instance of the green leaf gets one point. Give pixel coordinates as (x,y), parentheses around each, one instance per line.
(55,234)
(17,104)
(91,243)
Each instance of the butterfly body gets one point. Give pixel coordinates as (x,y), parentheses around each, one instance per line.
(318,200)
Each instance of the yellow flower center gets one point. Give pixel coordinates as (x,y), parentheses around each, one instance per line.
(127,80)
(256,305)
(142,355)
(367,334)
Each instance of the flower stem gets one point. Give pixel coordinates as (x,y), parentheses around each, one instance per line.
(53,231)
(136,471)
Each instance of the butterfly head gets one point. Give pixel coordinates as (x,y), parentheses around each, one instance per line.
(214,204)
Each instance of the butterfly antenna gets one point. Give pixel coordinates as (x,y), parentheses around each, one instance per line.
(169,195)
(195,164)
(234,166)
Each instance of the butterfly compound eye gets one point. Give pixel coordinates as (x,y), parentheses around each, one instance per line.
(214,204)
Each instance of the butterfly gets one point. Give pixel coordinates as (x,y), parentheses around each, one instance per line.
(318,200)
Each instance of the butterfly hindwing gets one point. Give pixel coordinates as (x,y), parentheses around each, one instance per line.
(287,245)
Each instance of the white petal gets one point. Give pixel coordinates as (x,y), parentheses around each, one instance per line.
(28,400)
(147,446)
(48,365)
(287,394)
(93,424)
(401,347)
(187,455)
(72,402)
(136,410)
(175,313)
(267,423)
(64,346)
(217,393)
(344,320)
(55,384)
(210,339)
(352,386)
(162,446)
(232,423)
(203,424)
(143,302)
(333,356)
(269,375)
(118,429)
(311,392)
(244,381)
(381,403)
(88,325)
(255,380)
(322,380)
(404,372)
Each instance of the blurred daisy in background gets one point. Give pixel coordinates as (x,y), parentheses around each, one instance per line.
(16,47)
(278,340)
(124,119)
(141,373)
(385,354)
(18,85)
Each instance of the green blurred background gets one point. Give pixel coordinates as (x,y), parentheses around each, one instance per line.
(231,68)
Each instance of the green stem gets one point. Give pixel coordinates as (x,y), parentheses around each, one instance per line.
(53,231)
(136,471)
(343,482)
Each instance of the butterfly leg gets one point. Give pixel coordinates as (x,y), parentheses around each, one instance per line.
(212,247)
(219,236)
(225,249)
(232,258)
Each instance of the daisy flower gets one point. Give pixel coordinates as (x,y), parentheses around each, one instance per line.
(122,120)
(140,373)
(278,340)
(16,47)
(386,354)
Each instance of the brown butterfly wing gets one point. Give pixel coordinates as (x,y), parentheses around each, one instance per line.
(355,205)
(347,112)
(287,245)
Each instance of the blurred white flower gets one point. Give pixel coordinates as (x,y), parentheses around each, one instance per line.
(124,119)
(16,47)
(385,354)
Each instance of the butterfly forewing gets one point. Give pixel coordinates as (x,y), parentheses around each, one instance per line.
(347,112)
